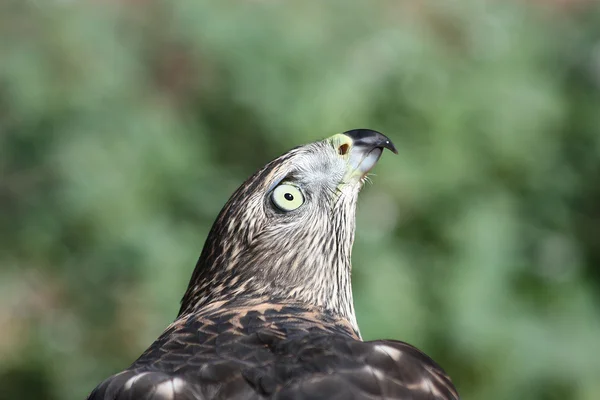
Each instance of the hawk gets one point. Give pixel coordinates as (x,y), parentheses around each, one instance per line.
(268,313)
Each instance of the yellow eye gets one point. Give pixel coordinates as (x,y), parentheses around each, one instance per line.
(287,197)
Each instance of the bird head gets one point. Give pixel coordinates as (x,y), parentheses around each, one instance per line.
(287,232)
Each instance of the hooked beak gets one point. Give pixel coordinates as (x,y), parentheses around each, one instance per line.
(365,147)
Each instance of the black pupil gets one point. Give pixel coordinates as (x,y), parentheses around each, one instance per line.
(288,196)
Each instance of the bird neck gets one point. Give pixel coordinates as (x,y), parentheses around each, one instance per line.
(307,261)
(325,287)
(316,272)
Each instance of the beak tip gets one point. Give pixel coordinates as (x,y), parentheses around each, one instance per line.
(390,146)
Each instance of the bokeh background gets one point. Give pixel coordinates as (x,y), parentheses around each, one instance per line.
(125,126)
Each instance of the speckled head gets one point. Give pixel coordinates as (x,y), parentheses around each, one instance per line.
(287,232)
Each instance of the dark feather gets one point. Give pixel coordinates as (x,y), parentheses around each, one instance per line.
(275,351)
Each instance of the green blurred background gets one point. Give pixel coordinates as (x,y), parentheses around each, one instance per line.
(125,126)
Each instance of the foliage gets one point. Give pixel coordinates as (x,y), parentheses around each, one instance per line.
(125,126)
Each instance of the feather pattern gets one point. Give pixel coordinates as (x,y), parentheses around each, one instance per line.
(278,351)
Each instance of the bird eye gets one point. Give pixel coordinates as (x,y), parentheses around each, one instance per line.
(287,197)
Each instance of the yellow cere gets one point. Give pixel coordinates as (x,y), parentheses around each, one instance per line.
(341,143)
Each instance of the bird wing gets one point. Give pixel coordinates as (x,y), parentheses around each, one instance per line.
(203,360)
(344,368)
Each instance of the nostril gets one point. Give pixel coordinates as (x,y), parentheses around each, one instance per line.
(343,149)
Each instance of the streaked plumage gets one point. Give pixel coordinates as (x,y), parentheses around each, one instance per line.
(268,312)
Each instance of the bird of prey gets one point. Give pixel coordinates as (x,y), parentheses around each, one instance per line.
(268,313)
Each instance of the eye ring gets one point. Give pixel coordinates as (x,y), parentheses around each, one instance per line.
(287,197)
